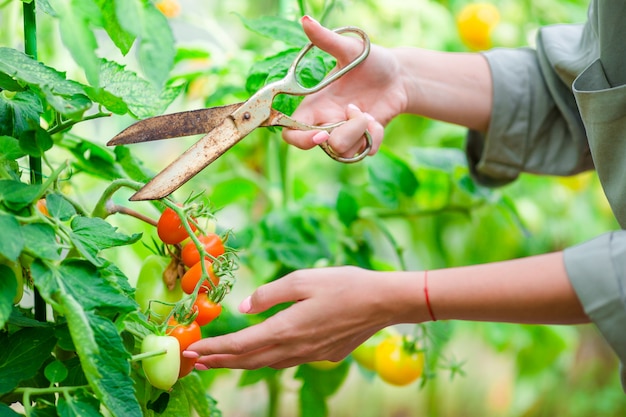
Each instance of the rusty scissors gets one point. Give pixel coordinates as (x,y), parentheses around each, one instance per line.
(225,126)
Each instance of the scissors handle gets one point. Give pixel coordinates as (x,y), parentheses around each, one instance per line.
(290,84)
(279,119)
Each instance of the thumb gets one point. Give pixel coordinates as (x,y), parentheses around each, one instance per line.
(344,48)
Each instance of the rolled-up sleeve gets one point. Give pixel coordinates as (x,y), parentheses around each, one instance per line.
(597,271)
(535,123)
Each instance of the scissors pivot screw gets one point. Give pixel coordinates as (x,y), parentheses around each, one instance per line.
(246,116)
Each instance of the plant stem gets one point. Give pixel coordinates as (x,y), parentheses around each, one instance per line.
(30,48)
(273,387)
(100,209)
(68,124)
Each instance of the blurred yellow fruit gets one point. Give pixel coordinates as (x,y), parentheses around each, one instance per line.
(475,23)
(170,8)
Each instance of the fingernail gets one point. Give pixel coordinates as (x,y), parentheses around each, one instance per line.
(308,18)
(320,137)
(246,305)
(369,117)
(353,107)
(190,354)
(201,367)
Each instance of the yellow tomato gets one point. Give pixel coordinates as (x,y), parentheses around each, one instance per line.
(475,23)
(397,365)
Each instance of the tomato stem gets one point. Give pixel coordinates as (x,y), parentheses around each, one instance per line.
(113,208)
(100,209)
(149,354)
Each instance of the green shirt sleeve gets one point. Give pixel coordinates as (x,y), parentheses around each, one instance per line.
(560,109)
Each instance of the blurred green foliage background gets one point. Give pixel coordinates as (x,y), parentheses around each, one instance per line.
(447,220)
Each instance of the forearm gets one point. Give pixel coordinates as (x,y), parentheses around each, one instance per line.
(451,87)
(528,290)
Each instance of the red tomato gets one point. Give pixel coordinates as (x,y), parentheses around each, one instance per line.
(170,227)
(212,244)
(193,275)
(186,335)
(207,309)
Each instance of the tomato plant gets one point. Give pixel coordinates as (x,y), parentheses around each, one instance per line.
(170,227)
(212,244)
(207,309)
(190,280)
(419,205)
(398,363)
(161,369)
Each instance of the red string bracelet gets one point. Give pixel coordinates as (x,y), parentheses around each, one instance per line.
(430,309)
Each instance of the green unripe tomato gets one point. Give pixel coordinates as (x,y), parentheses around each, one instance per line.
(151,286)
(161,370)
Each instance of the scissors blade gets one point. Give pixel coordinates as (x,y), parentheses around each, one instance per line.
(175,125)
(210,147)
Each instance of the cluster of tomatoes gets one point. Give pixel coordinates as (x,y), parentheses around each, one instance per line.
(179,293)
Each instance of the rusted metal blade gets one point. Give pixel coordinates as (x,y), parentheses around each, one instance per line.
(167,126)
(191,162)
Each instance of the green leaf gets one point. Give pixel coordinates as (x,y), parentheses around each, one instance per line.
(82,281)
(235,189)
(251,377)
(391,179)
(156,41)
(92,158)
(91,235)
(59,207)
(125,88)
(9,84)
(35,142)
(133,167)
(121,38)
(116,278)
(23,353)
(8,288)
(310,71)
(202,403)
(317,386)
(347,207)
(81,404)
(75,17)
(19,113)
(55,372)
(40,239)
(66,96)
(277,28)
(103,358)
(300,238)
(17,195)
(10,148)
(183,54)
(12,247)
